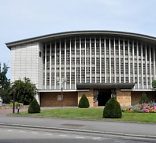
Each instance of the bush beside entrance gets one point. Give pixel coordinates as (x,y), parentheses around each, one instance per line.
(83,103)
(112,109)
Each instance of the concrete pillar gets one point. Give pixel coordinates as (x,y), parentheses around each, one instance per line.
(37,97)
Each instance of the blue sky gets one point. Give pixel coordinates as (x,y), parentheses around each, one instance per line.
(20,19)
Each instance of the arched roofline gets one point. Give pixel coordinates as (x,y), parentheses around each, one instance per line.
(81,33)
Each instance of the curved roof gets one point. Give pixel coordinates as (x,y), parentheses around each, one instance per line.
(80,33)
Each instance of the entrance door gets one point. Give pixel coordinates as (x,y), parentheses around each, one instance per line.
(103,97)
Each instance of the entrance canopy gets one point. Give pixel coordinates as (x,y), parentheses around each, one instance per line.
(105,86)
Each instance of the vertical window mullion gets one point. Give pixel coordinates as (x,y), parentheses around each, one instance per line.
(110,70)
(45,67)
(70,64)
(100,60)
(75,64)
(50,67)
(105,60)
(90,62)
(114,62)
(65,55)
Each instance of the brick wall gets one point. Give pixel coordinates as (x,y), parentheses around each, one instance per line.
(51,99)
(124,97)
(89,95)
(136,96)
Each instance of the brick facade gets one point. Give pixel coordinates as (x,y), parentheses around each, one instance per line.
(136,96)
(124,97)
(51,99)
(89,94)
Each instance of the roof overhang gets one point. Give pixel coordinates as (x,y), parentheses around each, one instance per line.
(54,36)
(100,86)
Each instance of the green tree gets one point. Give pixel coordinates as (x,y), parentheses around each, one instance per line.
(24,91)
(112,109)
(4,84)
(83,103)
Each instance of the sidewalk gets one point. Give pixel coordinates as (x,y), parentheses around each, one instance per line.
(101,127)
(4,111)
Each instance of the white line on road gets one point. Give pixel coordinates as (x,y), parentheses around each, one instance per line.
(21,131)
(120,141)
(48,134)
(97,138)
(35,133)
(63,135)
(10,130)
(80,137)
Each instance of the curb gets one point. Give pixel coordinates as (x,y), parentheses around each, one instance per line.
(80,131)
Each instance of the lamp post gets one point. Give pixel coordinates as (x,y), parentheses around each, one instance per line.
(13,102)
(0,96)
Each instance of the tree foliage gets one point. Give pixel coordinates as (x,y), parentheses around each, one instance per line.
(154,83)
(24,91)
(83,103)
(112,109)
(34,107)
(4,84)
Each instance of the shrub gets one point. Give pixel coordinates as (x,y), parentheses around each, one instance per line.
(154,84)
(83,103)
(34,107)
(144,99)
(112,109)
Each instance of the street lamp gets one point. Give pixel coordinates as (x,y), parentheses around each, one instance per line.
(13,102)
(0,96)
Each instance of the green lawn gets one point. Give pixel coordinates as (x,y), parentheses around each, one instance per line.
(92,114)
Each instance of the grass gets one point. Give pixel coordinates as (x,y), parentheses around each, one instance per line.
(70,113)
(139,117)
(92,114)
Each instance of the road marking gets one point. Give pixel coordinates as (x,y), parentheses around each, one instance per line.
(120,141)
(97,138)
(10,130)
(49,134)
(21,131)
(63,135)
(35,133)
(80,137)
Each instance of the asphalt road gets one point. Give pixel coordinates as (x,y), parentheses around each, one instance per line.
(22,135)
(122,128)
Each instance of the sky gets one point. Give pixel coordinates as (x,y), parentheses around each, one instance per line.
(21,19)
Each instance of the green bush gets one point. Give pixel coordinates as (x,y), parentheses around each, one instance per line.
(83,103)
(112,109)
(34,107)
(154,84)
(144,99)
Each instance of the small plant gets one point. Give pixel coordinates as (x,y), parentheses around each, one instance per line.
(154,84)
(112,109)
(83,103)
(34,107)
(144,99)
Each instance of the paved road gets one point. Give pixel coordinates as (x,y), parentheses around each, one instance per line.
(120,128)
(21,135)
(100,126)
